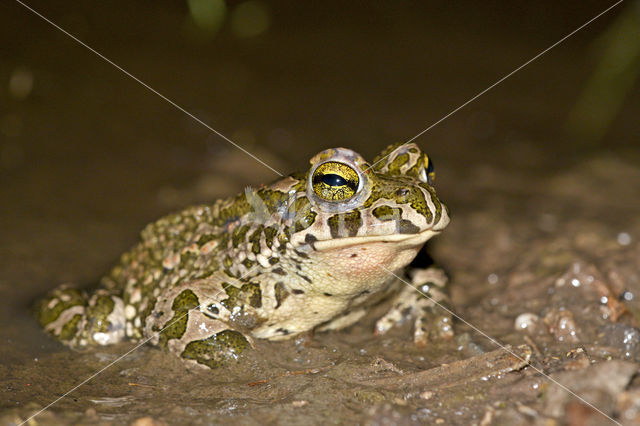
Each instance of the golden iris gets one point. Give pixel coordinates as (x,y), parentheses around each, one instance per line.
(333,181)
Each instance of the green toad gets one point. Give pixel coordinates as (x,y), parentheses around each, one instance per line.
(312,250)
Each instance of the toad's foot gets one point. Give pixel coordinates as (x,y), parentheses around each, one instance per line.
(422,300)
(78,319)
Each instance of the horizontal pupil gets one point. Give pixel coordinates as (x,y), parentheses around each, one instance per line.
(333,180)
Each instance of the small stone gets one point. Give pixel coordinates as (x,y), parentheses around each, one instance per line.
(426,395)
(147,421)
(526,322)
(624,239)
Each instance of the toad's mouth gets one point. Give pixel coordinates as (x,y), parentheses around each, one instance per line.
(405,240)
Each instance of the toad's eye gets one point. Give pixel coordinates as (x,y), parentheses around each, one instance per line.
(333,181)
(429,169)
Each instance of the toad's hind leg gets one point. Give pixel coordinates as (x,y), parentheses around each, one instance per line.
(79,319)
(193,321)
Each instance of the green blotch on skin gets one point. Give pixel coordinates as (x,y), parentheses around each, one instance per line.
(269,234)
(185,301)
(249,294)
(386,213)
(234,209)
(388,189)
(397,163)
(272,199)
(187,258)
(419,203)
(224,240)
(48,315)
(342,223)
(239,235)
(254,239)
(384,189)
(204,239)
(177,325)
(301,185)
(305,216)
(281,294)
(70,329)
(283,239)
(231,290)
(436,202)
(209,269)
(99,312)
(407,227)
(217,350)
(253,294)
(379,160)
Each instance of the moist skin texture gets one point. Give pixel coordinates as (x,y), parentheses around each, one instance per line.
(312,250)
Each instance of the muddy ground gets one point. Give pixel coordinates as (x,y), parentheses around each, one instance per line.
(543,249)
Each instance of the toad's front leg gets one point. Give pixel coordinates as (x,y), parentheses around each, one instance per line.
(422,298)
(200,322)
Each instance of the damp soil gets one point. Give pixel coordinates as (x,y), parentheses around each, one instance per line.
(542,252)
